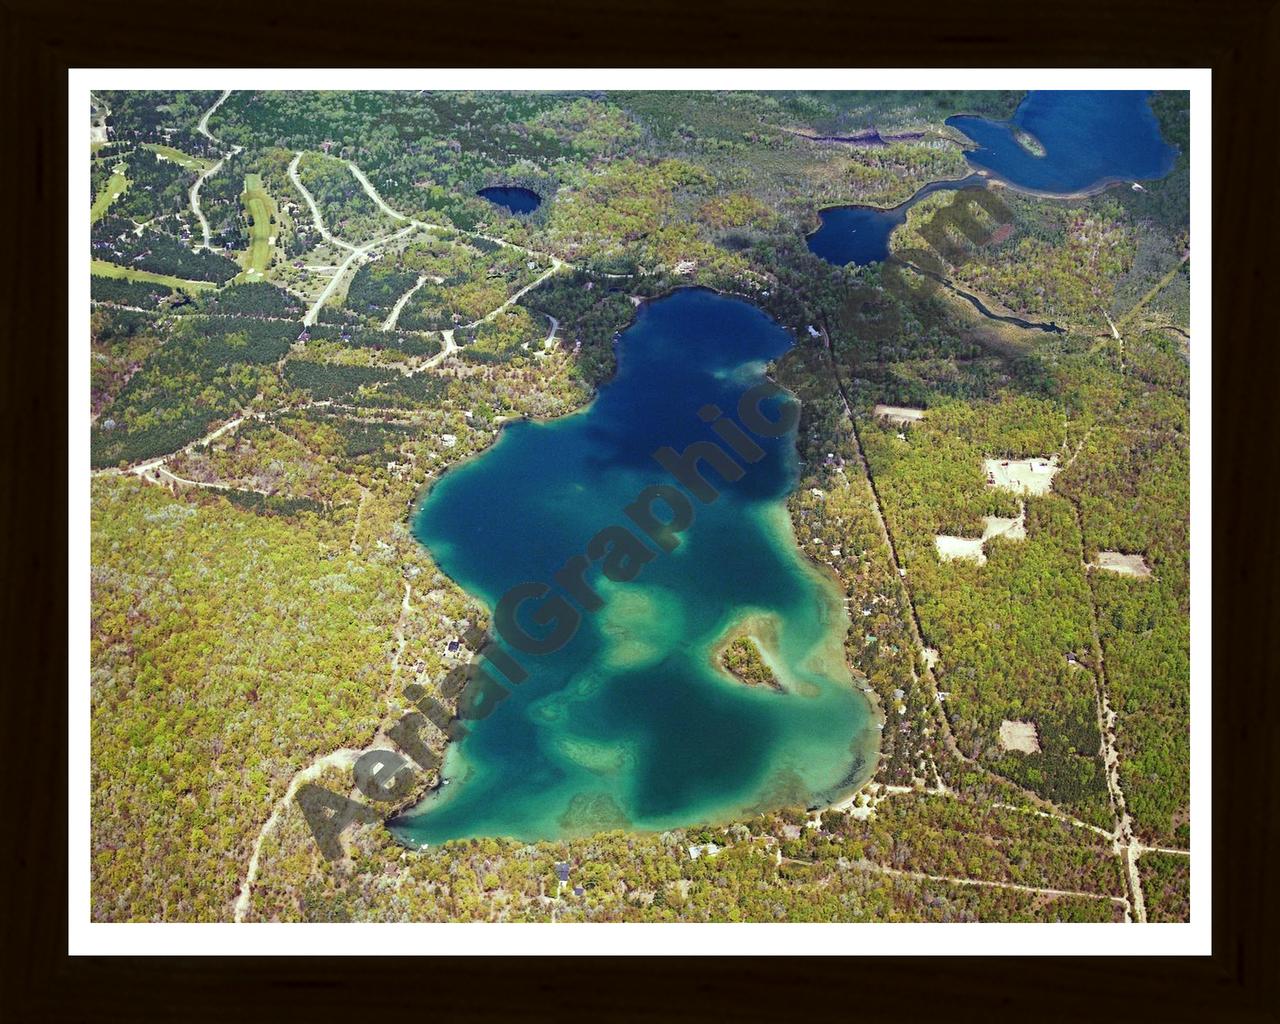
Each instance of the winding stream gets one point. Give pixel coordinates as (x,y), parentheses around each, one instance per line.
(1087,141)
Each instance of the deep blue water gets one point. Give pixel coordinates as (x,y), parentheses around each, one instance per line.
(517,200)
(630,724)
(1089,139)
(860,234)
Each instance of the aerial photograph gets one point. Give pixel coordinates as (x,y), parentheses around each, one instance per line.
(638,506)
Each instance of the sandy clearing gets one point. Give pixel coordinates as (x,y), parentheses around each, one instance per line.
(952,548)
(1019,736)
(1011,529)
(1022,476)
(898,415)
(1125,565)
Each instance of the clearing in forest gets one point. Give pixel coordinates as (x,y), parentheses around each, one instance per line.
(191,163)
(1125,565)
(951,548)
(112,191)
(1019,736)
(260,213)
(104,269)
(1010,529)
(898,415)
(1022,476)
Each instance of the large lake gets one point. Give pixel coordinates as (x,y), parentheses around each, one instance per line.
(1089,139)
(631,724)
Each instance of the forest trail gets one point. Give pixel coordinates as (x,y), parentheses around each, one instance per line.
(143,469)
(373,193)
(913,620)
(556,264)
(343,758)
(152,470)
(920,876)
(380,738)
(181,481)
(1155,290)
(193,195)
(448,349)
(1125,843)
(401,639)
(355,530)
(316,220)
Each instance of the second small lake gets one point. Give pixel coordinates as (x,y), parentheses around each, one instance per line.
(511,198)
(860,234)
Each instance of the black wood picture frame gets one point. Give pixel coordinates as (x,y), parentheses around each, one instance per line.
(1238,39)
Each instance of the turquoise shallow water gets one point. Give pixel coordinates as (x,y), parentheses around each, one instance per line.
(630,724)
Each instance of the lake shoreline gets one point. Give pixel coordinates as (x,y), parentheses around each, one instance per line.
(814,644)
(938,184)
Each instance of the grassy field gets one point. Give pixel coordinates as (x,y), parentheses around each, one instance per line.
(104,269)
(114,189)
(260,210)
(193,163)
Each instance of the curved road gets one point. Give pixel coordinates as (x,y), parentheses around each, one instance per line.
(316,219)
(203,126)
(400,303)
(194,194)
(373,193)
